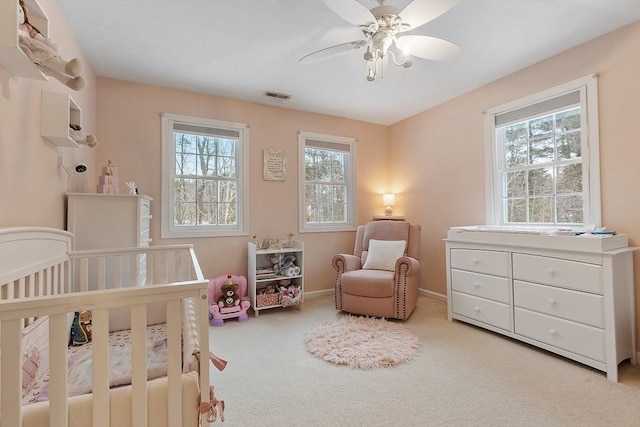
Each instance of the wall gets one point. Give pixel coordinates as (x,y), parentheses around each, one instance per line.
(129,124)
(32,186)
(448,140)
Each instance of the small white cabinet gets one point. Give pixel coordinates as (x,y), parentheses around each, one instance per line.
(101,221)
(59,111)
(570,295)
(260,260)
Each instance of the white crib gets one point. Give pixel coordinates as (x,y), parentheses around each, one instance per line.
(36,271)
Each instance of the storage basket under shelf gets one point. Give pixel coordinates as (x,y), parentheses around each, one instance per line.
(266,300)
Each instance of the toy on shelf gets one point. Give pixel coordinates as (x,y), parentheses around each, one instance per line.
(45,53)
(227,297)
(285,266)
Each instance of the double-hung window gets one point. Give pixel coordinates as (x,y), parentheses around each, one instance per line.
(327,183)
(543,159)
(204,177)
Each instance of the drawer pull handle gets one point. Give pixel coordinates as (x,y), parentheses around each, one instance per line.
(551,272)
(553,332)
(477,309)
(476,285)
(551,301)
(476,261)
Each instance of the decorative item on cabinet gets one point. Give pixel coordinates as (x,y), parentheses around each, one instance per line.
(108,181)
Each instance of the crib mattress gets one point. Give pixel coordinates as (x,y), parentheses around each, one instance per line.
(80,364)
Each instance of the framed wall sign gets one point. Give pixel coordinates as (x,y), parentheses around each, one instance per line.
(274,168)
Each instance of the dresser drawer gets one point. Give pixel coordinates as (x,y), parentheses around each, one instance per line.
(558,272)
(481,285)
(480,261)
(482,310)
(581,339)
(580,307)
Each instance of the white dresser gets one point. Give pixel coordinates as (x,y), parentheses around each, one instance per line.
(101,221)
(570,295)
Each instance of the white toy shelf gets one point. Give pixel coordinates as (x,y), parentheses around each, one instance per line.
(11,56)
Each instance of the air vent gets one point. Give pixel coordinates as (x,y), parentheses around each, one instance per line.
(278,97)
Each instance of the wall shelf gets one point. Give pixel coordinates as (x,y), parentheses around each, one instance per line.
(58,111)
(13,58)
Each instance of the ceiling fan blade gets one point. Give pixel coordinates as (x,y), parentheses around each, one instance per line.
(332,51)
(430,47)
(420,12)
(351,11)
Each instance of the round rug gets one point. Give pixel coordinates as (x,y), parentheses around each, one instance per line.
(363,342)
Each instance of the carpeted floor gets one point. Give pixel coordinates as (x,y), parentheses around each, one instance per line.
(461,376)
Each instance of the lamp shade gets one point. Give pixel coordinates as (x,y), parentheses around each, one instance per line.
(388,199)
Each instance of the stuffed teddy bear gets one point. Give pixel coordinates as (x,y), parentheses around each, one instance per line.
(229,297)
(45,53)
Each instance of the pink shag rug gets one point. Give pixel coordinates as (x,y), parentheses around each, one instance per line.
(363,342)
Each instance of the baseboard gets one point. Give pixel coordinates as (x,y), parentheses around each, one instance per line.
(433,295)
(320,293)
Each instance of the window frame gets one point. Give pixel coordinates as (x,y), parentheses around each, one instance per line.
(590,152)
(168,229)
(351,166)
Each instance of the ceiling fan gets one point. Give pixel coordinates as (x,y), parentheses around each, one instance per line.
(381,27)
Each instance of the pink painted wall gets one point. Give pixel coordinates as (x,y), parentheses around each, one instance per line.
(32,186)
(129,123)
(442,182)
(433,161)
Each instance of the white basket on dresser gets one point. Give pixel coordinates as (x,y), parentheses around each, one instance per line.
(570,295)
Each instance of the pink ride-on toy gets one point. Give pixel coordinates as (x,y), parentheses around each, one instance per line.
(227,309)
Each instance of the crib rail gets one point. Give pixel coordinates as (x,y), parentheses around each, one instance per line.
(100,280)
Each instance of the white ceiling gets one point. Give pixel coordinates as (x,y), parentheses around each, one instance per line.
(242,48)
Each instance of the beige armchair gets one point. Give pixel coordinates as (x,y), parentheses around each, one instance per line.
(382,276)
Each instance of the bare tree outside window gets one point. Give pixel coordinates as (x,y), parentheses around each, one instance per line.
(205,183)
(542,171)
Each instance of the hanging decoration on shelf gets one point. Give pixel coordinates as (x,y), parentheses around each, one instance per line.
(45,53)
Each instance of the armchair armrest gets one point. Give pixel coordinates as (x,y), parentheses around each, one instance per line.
(345,262)
(411,265)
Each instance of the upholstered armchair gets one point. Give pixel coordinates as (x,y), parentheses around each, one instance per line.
(382,276)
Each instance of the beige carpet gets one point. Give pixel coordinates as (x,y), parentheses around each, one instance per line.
(361,342)
(461,376)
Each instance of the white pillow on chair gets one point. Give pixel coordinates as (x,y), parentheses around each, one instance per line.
(383,254)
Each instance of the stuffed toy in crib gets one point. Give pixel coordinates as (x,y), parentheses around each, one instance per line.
(45,53)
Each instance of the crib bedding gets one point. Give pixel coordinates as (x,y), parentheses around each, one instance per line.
(80,363)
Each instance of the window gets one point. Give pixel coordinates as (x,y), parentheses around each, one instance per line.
(543,157)
(327,186)
(204,177)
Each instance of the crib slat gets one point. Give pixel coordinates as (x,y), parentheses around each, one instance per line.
(149,270)
(84,274)
(118,274)
(202,308)
(102,272)
(138,365)
(11,386)
(100,331)
(174,357)
(58,337)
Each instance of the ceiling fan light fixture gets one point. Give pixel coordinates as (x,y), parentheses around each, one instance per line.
(381,26)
